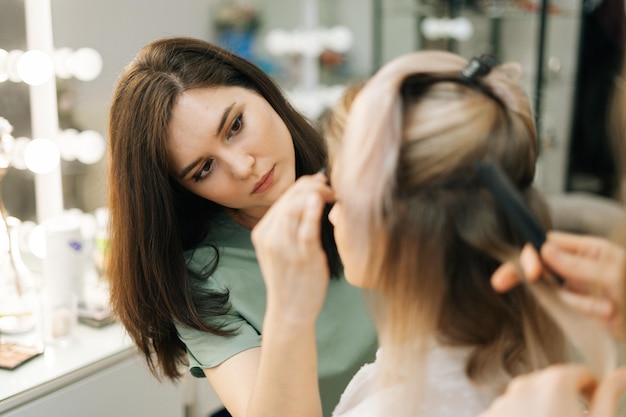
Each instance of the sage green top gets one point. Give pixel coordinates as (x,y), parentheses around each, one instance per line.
(346,338)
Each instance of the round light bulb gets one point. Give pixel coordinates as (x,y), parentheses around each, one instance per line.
(67,141)
(309,44)
(61,59)
(277,42)
(339,39)
(35,68)
(90,147)
(85,64)
(41,156)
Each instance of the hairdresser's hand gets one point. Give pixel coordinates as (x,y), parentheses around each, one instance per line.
(557,392)
(592,267)
(289,249)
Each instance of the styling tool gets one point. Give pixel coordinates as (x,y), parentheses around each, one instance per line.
(511,201)
(591,338)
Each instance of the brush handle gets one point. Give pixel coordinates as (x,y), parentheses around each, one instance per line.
(510,199)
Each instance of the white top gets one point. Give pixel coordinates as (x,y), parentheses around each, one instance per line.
(450,392)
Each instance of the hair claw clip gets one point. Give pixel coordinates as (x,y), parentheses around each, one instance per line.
(479,67)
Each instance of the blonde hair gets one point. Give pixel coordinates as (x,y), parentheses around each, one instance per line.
(404,175)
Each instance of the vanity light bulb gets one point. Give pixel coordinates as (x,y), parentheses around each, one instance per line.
(460,28)
(42,156)
(278,42)
(309,43)
(85,64)
(339,39)
(35,68)
(90,147)
(61,58)
(68,142)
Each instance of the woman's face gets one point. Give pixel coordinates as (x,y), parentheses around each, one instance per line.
(229,146)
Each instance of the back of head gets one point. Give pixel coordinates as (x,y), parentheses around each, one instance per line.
(405,176)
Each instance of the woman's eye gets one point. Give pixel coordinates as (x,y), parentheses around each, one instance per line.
(236,126)
(204,171)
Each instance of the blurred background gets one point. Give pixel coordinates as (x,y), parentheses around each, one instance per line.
(570,50)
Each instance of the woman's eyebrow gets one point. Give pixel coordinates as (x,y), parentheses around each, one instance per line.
(224,118)
(188,168)
(183,173)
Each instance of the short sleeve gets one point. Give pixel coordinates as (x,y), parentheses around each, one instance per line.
(206,350)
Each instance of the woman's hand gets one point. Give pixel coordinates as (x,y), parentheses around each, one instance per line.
(592,268)
(557,391)
(295,269)
(290,253)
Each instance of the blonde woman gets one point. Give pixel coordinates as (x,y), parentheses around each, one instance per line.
(414,225)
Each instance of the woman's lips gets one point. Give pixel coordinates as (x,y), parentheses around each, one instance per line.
(264,183)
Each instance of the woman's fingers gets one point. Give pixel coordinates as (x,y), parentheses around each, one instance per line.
(600,307)
(309,230)
(605,400)
(290,253)
(585,261)
(507,276)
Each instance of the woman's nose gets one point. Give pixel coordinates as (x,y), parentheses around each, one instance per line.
(242,164)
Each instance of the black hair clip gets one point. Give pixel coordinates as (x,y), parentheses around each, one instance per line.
(479,67)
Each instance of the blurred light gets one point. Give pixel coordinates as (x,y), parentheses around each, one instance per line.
(277,42)
(90,147)
(85,64)
(41,156)
(35,68)
(67,141)
(11,65)
(309,43)
(60,58)
(459,28)
(338,39)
